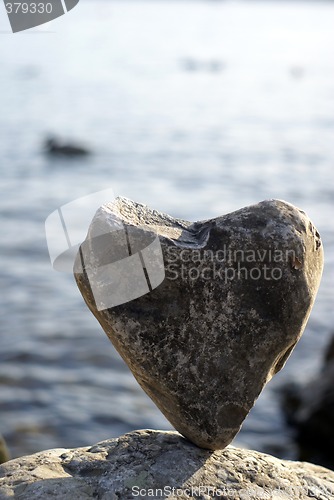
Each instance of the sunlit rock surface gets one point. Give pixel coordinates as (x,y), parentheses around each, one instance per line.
(153,464)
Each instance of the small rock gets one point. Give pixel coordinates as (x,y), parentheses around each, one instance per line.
(235,300)
(329,354)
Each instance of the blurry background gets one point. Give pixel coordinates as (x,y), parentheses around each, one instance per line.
(196,108)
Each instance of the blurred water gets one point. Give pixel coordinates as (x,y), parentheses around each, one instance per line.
(195,108)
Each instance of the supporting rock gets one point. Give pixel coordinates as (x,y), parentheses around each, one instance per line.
(203,313)
(149,464)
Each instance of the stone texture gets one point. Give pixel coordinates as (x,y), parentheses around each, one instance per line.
(149,464)
(235,300)
(310,410)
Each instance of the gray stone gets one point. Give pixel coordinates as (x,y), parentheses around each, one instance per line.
(235,299)
(149,464)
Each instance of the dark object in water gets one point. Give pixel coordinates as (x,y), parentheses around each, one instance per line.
(309,409)
(297,72)
(4,455)
(211,65)
(57,148)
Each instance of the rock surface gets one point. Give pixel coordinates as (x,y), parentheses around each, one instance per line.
(149,464)
(310,409)
(234,301)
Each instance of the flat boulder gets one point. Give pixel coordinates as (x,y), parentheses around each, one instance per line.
(309,409)
(156,464)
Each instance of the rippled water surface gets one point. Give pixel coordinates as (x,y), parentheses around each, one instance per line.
(194,108)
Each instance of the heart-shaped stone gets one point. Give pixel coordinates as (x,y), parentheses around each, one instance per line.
(203,313)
